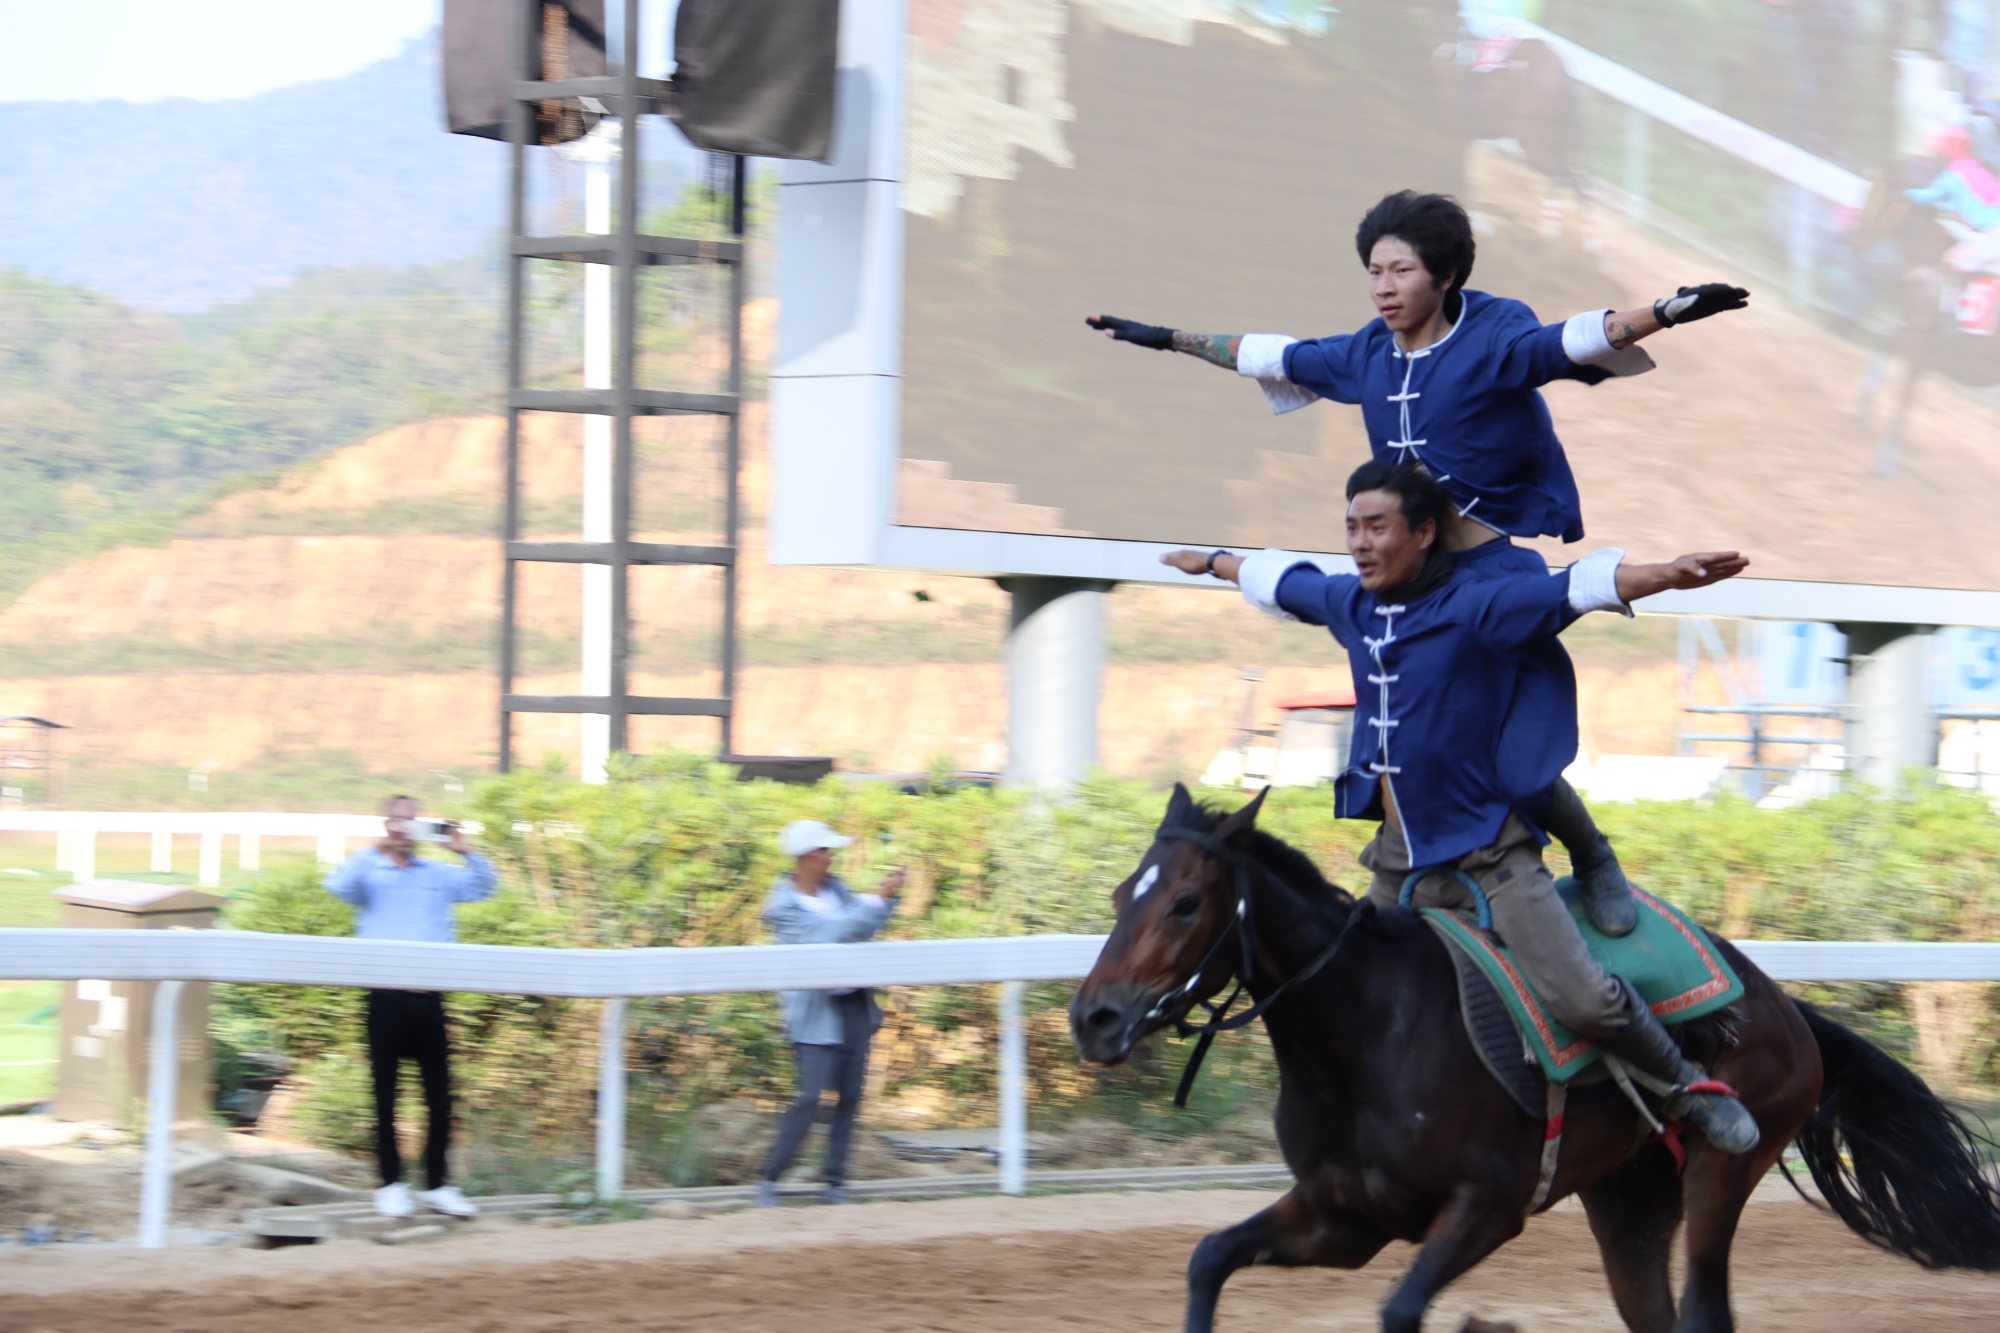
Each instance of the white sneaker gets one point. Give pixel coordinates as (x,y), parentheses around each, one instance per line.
(394,1200)
(448,1199)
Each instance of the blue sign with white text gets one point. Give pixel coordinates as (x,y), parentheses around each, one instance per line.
(1968,667)
(1801,662)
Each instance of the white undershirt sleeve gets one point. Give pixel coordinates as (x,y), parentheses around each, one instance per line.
(1261,357)
(1585,343)
(1260,576)
(1593,583)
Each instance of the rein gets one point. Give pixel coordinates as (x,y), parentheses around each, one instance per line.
(1219,1018)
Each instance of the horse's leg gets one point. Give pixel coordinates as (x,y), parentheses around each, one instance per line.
(1717,1185)
(1634,1212)
(1470,1226)
(1290,1233)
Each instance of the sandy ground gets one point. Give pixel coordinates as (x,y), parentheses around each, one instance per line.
(967,1265)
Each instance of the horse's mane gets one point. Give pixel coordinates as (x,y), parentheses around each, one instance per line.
(1285,861)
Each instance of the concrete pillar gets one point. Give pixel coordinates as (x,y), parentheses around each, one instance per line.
(1890,725)
(1055,673)
(163,853)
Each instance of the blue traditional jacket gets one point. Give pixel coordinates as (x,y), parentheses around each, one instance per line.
(1538,738)
(1468,407)
(1436,683)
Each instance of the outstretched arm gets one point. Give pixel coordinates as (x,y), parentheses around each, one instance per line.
(1222,564)
(1516,614)
(1217,349)
(1689,571)
(1624,327)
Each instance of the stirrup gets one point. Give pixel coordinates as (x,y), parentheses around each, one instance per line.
(1710,1087)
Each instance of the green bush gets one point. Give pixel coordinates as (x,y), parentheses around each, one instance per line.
(675,851)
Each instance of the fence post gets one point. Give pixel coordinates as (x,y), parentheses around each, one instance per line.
(163,852)
(162,1090)
(211,858)
(249,852)
(611,1099)
(1013,1091)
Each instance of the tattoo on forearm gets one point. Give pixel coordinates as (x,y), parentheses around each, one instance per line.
(1215,348)
(1622,334)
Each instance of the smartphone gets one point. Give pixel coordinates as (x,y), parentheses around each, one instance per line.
(430,830)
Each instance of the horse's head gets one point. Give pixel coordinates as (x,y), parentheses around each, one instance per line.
(1167,950)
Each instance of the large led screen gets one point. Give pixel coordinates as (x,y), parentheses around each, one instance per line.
(1203,165)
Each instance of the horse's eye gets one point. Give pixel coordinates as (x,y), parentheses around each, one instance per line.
(1187,905)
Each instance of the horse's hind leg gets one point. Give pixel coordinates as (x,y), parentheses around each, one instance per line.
(1290,1233)
(1634,1212)
(1470,1226)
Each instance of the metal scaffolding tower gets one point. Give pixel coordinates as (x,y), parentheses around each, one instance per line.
(624,249)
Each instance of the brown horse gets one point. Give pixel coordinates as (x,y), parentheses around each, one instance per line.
(1395,1131)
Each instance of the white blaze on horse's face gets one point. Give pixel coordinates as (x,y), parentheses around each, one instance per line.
(1146,881)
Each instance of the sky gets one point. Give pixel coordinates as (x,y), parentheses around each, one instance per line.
(145,50)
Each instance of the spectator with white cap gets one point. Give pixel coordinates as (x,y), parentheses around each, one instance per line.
(830,1029)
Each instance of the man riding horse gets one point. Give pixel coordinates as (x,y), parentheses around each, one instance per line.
(1439,655)
(1449,379)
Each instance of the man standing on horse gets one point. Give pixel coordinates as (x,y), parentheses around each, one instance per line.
(1436,658)
(1449,379)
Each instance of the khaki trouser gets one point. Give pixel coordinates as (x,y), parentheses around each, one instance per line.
(1528,916)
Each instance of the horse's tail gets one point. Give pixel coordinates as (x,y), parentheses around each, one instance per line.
(1898,1165)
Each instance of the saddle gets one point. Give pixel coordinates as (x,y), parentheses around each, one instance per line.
(1667,958)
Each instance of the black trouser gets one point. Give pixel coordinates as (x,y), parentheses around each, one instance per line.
(409,1025)
(841,1069)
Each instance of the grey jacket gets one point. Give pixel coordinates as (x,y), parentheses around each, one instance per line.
(810,1015)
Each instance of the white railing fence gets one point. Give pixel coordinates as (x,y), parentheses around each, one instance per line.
(76,833)
(616,975)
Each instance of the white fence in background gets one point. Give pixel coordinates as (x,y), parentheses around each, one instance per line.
(76,835)
(616,975)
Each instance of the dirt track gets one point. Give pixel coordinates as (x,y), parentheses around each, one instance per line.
(965,1265)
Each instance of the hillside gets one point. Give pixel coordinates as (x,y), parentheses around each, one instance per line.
(179,205)
(341,623)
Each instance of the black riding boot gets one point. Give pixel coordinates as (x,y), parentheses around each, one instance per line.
(1606,896)
(1649,1047)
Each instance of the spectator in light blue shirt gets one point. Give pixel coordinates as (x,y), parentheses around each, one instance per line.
(398,895)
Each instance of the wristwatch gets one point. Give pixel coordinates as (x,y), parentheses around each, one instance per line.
(1210,570)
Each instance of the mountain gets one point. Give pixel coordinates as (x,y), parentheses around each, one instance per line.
(180,204)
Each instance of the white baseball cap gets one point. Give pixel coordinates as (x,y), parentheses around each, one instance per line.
(809,835)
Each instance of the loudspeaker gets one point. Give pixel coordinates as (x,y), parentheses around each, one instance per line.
(568,43)
(756,76)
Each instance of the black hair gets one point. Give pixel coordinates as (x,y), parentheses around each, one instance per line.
(390,804)
(1419,497)
(1434,225)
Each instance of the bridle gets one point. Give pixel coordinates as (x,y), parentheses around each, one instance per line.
(1219,1018)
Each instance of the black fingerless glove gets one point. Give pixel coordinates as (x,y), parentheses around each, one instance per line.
(1692,303)
(1155,336)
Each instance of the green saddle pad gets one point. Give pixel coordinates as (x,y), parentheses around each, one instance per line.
(1667,957)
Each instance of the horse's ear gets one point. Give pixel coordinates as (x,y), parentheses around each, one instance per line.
(1179,806)
(1242,820)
